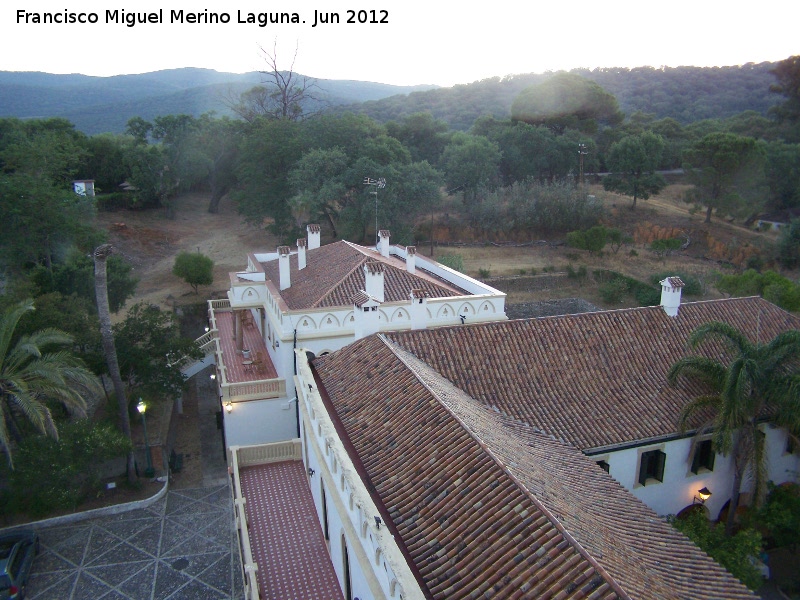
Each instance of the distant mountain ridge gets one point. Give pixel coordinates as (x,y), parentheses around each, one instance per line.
(100,104)
(685,94)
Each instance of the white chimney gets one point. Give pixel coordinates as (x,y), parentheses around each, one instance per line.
(301,253)
(383,242)
(366,316)
(313,236)
(283,267)
(671,295)
(411,259)
(418,309)
(373,279)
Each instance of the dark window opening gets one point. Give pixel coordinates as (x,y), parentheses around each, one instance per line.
(651,466)
(325,514)
(604,465)
(703,456)
(348,586)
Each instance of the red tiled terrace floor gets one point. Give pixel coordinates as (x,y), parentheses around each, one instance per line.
(285,534)
(234,369)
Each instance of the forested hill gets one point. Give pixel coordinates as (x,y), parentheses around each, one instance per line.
(100,104)
(686,94)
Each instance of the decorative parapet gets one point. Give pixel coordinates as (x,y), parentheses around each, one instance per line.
(388,566)
(250,567)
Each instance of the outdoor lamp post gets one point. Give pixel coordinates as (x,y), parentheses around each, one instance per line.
(149,471)
(703,494)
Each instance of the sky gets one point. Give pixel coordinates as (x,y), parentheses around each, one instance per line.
(421,42)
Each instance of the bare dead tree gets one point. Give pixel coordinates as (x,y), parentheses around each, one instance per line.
(283,94)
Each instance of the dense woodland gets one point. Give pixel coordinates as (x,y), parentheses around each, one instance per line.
(286,160)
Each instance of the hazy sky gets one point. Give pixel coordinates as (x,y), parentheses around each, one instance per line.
(434,41)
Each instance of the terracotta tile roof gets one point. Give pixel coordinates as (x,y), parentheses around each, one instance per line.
(334,273)
(597,379)
(487,506)
(647,557)
(459,515)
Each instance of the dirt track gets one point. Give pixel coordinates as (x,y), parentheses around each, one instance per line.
(150,242)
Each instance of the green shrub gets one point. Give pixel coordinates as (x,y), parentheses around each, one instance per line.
(616,238)
(454,261)
(580,273)
(735,553)
(484,273)
(789,245)
(779,517)
(614,291)
(194,268)
(772,286)
(666,247)
(593,239)
(52,474)
(633,253)
(647,296)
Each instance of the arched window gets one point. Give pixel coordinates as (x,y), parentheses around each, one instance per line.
(348,586)
(324,513)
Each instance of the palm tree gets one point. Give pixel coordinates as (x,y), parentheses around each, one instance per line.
(101,254)
(31,374)
(761,381)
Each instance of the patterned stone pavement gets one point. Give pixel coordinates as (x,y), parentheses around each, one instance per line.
(182,547)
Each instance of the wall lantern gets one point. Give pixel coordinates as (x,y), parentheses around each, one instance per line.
(213,376)
(703,494)
(310,472)
(229,406)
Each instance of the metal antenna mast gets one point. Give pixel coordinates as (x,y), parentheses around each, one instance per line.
(582,151)
(378,184)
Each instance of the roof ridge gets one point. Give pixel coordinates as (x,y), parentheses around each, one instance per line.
(341,281)
(403,356)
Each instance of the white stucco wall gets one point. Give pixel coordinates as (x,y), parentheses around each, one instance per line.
(260,422)
(375,559)
(680,485)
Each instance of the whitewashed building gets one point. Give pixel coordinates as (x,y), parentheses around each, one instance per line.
(322,298)
(526,457)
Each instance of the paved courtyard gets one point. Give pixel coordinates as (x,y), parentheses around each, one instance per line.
(182,547)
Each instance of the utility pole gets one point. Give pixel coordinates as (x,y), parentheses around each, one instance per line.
(378,184)
(582,151)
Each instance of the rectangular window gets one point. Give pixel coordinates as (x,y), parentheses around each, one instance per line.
(603,465)
(790,446)
(651,466)
(703,457)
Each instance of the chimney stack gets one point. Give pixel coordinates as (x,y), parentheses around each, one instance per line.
(301,254)
(283,267)
(411,259)
(313,236)
(671,295)
(373,279)
(418,308)
(383,242)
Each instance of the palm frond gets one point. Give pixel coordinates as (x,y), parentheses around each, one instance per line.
(721,331)
(695,406)
(708,371)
